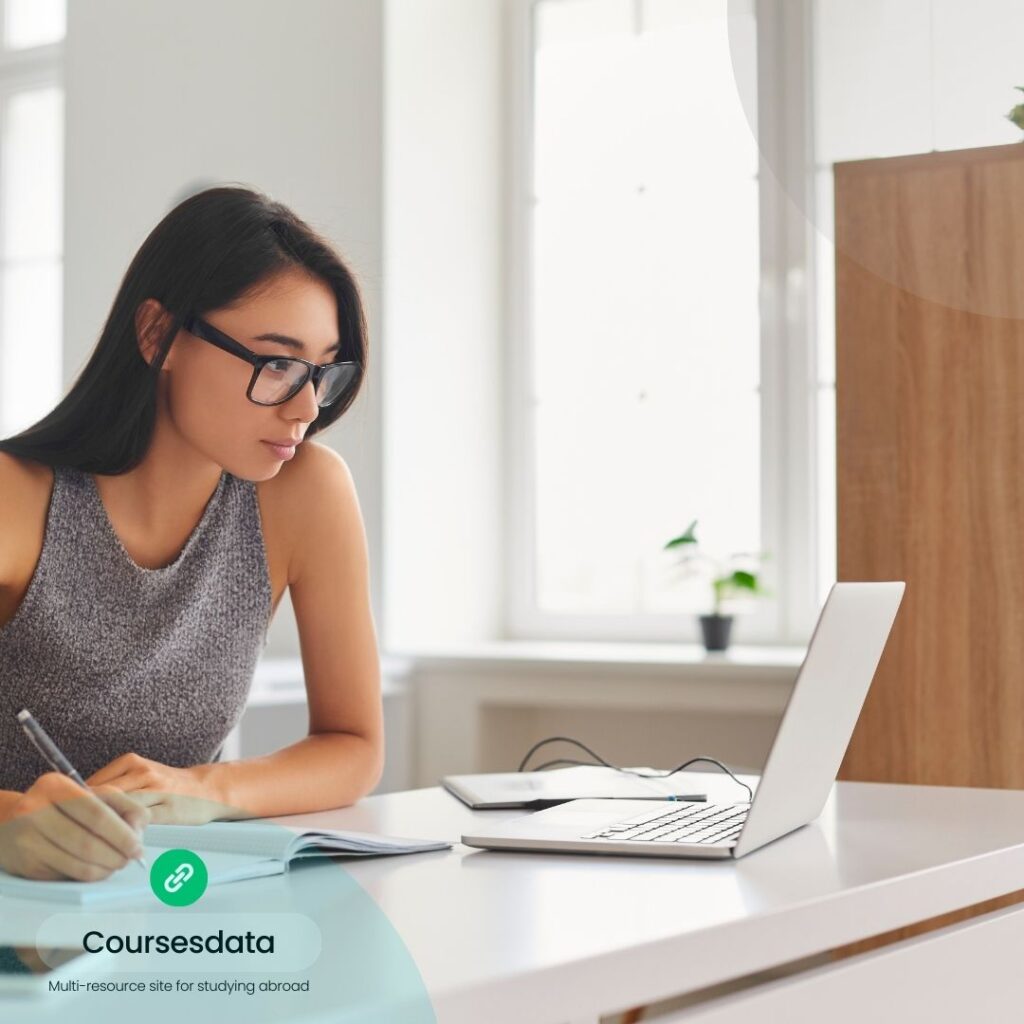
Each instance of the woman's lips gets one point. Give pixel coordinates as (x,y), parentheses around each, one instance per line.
(281,451)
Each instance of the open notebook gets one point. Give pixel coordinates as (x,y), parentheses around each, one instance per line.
(231,850)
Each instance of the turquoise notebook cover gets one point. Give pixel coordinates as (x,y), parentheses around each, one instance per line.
(132,881)
(231,850)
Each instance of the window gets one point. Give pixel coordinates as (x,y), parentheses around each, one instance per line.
(31,209)
(651,392)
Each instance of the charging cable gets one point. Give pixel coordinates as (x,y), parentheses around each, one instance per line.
(628,771)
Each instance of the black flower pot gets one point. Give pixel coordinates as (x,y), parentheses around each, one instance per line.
(716,629)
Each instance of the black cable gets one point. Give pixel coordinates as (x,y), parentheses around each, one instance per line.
(567,739)
(560,760)
(627,771)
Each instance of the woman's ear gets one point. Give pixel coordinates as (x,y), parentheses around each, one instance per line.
(150,322)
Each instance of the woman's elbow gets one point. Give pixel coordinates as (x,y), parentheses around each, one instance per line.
(372,768)
(376,763)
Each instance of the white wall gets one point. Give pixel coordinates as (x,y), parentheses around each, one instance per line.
(908,76)
(286,97)
(444,125)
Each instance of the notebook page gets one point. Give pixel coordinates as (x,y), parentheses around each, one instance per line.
(331,840)
(250,837)
(281,842)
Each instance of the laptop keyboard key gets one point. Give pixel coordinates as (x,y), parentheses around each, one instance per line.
(705,823)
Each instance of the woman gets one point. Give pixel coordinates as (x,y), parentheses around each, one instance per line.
(150,524)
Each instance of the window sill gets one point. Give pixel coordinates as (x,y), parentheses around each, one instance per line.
(479,707)
(650,658)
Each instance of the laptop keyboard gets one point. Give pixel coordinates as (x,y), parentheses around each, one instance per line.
(692,823)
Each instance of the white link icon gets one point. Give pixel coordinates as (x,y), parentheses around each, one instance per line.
(174,882)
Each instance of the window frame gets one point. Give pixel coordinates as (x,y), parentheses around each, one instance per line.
(21,70)
(788,349)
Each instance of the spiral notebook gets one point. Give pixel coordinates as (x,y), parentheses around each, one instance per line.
(231,850)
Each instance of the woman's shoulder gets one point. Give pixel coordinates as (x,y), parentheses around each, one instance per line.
(304,483)
(25,488)
(301,478)
(24,485)
(22,480)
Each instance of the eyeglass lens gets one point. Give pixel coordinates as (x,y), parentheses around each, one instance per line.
(279,379)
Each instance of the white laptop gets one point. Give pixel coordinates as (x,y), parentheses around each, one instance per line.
(802,764)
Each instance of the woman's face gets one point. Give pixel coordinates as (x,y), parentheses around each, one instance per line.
(205,387)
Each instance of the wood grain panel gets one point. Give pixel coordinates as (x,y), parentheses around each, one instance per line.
(930,431)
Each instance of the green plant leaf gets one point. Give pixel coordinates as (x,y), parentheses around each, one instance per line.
(743,580)
(686,537)
(738,580)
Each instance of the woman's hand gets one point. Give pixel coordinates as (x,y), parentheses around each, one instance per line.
(174,796)
(57,831)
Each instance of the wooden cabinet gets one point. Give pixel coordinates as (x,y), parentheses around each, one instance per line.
(930,436)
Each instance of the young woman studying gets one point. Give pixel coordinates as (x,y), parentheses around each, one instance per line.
(149,526)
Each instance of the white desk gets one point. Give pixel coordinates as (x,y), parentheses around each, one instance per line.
(512,937)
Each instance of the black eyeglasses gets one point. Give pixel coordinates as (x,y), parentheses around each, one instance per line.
(275,379)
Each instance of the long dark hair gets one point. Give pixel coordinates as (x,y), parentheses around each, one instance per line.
(208,251)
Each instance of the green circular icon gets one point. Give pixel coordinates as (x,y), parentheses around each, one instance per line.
(178,877)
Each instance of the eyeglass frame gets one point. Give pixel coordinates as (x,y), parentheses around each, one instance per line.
(207,332)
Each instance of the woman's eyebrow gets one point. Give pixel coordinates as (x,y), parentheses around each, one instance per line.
(284,339)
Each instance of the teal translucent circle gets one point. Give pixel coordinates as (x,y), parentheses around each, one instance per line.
(338,957)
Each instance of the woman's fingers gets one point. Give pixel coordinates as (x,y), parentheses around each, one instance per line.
(27,851)
(62,831)
(144,797)
(89,824)
(128,806)
(117,768)
(50,861)
(179,809)
(59,830)
(97,812)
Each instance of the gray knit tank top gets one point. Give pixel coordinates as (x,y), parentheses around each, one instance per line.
(111,657)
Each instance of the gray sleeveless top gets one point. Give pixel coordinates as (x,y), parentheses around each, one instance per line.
(111,657)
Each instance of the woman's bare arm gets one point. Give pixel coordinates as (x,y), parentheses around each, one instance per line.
(342,758)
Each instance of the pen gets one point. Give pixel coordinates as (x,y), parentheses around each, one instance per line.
(54,757)
(693,797)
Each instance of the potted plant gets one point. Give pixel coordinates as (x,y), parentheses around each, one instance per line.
(730,578)
(1016,115)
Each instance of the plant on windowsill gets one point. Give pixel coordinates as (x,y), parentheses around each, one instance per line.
(1017,114)
(731,577)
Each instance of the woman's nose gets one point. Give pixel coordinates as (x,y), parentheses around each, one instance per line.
(303,404)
